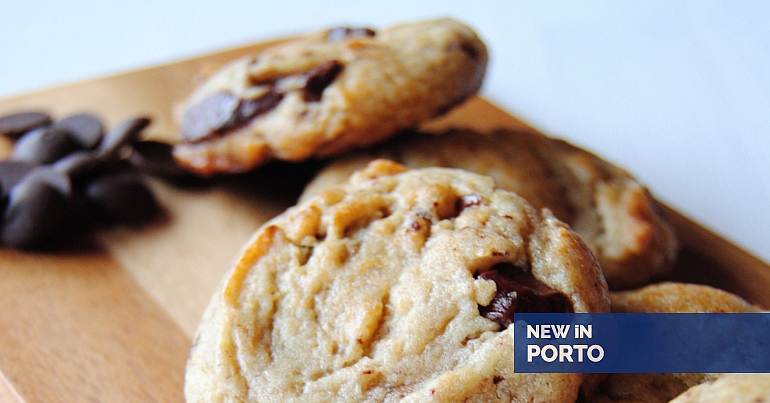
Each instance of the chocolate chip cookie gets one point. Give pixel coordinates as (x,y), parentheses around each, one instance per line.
(730,388)
(613,213)
(664,298)
(398,286)
(328,92)
(679,297)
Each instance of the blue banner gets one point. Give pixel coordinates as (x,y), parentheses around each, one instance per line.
(641,342)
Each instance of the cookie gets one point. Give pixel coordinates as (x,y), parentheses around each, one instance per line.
(328,92)
(664,298)
(397,286)
(679,297)
(613,213)
(730,388)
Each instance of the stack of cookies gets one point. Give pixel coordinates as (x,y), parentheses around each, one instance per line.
(397,274)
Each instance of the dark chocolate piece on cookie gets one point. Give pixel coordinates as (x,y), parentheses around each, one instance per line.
(328,92)
(319,78)
(518,291)
(222,112)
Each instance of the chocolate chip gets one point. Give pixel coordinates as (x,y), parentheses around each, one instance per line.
(124,134)
(86,129)
(208,116)
(518,291)
(155,158)
(37,208)
(12,172)
(340,33)
(122,196)
(78,163)
(251,108)
(261,80)
(57,179)
(54,183)
(43,145)
(223,111)
(15,125)
(81,213)
(319,78)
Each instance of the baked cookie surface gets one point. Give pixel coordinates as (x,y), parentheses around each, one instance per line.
(667,297)
(328,92)
(613,213)
(397,286)
(672,297)
(730,388)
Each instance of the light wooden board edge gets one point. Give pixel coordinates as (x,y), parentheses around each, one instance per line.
(77,327)
(730,267)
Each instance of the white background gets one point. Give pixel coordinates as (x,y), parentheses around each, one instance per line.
(677,92)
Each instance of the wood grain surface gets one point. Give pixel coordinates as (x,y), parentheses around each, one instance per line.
(110,318)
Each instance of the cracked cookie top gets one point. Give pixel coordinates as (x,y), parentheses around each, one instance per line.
(328,92)
(730,388)
(398,285)
(612,211)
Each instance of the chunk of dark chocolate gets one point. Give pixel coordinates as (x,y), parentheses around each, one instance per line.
(155,158)
(124,134)
(250,108)
(208,116)
(37,208)
(12,172)
(319,78)
(224,111)
(67,173)
(122,196)
(78,163)
(518,291)
(44,145)
(15,125)
(86,129)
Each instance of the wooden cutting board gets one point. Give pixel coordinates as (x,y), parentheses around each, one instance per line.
(110,318)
